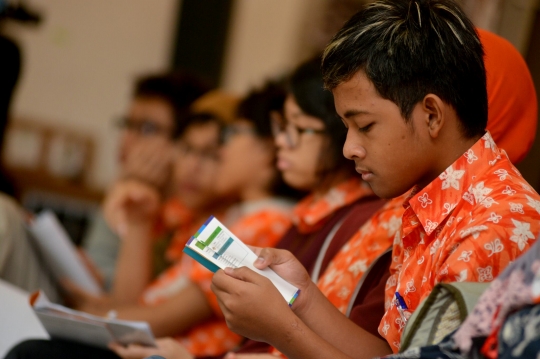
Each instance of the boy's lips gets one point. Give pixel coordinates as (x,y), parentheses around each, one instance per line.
(366,175)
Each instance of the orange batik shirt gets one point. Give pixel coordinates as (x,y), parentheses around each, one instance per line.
(466,225)
(261,224)
(344,272)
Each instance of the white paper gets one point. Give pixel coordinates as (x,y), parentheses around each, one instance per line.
(69,324)
(18,322)
(222,248)
(60,253)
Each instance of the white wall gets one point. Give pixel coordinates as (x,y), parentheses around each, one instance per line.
(517,18)
(264,40)
(79,64)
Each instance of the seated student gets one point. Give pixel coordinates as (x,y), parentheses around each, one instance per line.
(512,120)
(153,122)
(179,302)
(409,83)
(508,79)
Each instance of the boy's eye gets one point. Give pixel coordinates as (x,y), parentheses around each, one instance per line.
(344,123)
(365,129)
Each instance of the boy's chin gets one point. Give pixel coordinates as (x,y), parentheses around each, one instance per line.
(386,192)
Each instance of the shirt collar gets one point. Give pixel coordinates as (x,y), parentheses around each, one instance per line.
(434,203)
(310,213)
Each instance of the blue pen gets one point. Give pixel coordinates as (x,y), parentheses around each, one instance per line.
(401,307)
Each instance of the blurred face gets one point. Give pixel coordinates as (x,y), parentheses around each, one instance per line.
(388,152)
(300,144)
(147,119)
(195,168)
(243,157)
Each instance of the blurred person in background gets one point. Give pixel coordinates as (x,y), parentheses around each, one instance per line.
(10,68)
(153,122)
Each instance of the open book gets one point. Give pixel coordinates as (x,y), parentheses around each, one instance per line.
(60,253)
(64,323)
(215,247)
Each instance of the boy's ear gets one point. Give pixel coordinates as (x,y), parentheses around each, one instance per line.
(434,108)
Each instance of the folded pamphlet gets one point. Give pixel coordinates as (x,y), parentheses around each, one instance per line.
(68,324)
(215,247)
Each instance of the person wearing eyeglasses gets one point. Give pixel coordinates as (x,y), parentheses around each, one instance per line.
(154,120)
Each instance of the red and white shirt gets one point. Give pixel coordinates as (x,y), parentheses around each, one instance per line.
(466,225)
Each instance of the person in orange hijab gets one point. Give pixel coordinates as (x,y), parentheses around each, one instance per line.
(513,107)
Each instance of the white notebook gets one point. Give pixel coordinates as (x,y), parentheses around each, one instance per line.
(68,324)
(59,252)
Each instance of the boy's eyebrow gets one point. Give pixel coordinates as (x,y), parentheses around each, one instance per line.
(353,113)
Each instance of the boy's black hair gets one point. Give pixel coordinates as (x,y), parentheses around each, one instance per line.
(178,89)
(410,48)
(307,86)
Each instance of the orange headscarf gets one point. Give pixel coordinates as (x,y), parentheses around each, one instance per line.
(513,108)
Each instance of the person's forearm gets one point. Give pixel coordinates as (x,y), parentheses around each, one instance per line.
(134,266)
(330,324)
(297,341)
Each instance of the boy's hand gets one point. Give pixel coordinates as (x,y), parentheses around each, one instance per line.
(166,347)
(250,303)
(288,267)
(131,203)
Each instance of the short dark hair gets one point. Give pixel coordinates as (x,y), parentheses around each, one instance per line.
(307,86)
(258,105)
(178,89)
(410,48)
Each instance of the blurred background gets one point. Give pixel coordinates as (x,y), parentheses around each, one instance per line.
(76,61)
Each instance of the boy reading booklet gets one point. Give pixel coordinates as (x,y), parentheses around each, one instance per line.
(409,83)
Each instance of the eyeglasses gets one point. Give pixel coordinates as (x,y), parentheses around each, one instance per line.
(291,131)
(230,131)
(142,127)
